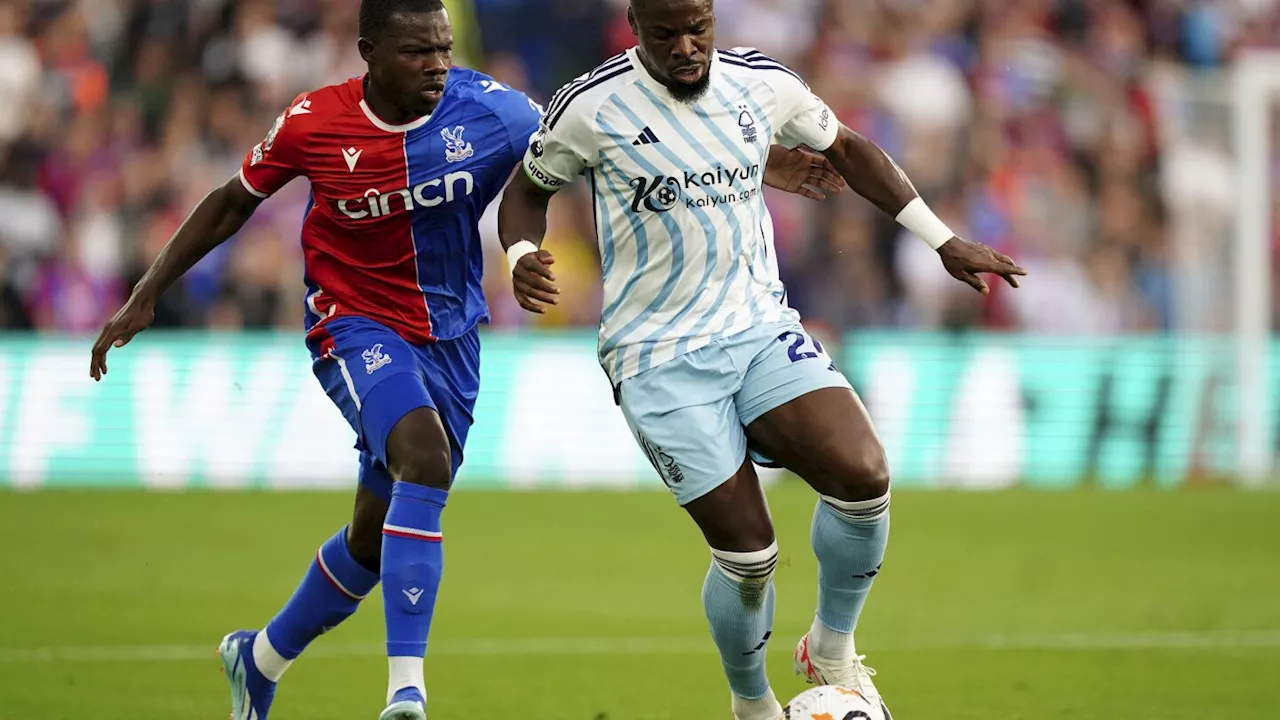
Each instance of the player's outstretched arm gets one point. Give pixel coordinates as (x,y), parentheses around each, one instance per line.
(522,223)
(871,173)
(218,216)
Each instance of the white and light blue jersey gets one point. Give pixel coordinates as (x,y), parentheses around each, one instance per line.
(685,239)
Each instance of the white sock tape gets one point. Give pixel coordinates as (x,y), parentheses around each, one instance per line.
(919,219)
(519,250)
(741,567)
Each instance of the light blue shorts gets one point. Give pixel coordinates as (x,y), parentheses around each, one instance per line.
(689,415)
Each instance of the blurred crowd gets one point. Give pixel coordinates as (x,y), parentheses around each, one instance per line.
(1089,139)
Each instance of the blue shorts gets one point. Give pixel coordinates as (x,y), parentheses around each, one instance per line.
(690,414)
(376,378)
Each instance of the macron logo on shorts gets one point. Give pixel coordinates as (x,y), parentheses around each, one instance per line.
(374,358)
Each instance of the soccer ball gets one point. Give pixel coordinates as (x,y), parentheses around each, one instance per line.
(832,702)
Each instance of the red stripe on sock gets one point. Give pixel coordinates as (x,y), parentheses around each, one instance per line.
(412,536)
(324,570)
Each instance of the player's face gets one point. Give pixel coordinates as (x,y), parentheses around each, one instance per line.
(410,62)
(676,38)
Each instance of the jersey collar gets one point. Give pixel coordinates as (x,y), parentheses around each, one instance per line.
(407,127)
(713,69)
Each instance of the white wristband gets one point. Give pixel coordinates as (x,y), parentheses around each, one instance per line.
(519,250)
(919,219)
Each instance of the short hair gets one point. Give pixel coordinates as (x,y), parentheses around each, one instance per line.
(375,15)
(643,5)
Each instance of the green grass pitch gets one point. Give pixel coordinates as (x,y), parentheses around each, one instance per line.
(585,606)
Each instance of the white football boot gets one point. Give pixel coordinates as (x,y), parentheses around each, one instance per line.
(853,674)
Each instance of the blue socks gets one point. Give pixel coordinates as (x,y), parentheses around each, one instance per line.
(412,562)
(334,585)
(738,598)
(329,593)
(849,539)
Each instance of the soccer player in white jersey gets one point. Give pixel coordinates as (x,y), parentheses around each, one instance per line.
(710,366)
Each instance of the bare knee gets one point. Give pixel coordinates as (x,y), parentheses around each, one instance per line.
(734,517)
(754,537)
(364,535)
(858,473)
(418,451)
(425,465)
(743,529)
(365,545)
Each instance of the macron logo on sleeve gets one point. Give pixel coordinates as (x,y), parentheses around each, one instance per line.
(302,108)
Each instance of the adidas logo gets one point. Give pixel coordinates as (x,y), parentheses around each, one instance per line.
(646,138)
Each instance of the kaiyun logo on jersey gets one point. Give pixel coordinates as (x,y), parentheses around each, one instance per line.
(661,193)
(658,194)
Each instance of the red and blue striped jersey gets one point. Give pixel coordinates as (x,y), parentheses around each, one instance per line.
(392,228)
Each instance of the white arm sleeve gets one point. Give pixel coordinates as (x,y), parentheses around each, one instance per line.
(803,118)
(563,147)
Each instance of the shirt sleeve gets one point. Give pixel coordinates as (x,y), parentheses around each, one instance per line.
(563,147)
(521,116)
(804,119)
(279,158)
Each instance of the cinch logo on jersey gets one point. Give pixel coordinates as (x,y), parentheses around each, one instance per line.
(661,193)
(431,193)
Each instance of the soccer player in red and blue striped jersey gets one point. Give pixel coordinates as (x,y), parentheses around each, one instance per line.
(402,163)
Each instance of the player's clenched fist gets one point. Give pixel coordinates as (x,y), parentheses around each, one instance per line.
(133,318)
(533,281)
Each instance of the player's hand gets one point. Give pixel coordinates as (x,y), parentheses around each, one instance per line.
(130,320)
(803,172)
(534,283)
(964,259)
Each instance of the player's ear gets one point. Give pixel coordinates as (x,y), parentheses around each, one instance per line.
(366,47)
(631,20)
